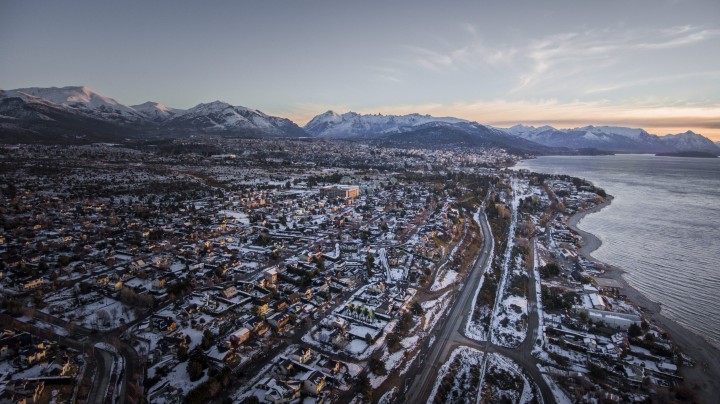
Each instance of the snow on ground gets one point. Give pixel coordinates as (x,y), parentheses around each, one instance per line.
(434,309)
(558,393)
(514,331)
(509,374)
(356,346)
(509,325)
(410,342)
(393,360)
(179,378)
(104,314)
(447,277)
(462,379)
(445,280)
(353,369)
(241,217)
(249,386)
(387,397)
(106,347)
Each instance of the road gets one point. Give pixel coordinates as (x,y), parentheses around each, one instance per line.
(82,339)
(104,361)
(451,329)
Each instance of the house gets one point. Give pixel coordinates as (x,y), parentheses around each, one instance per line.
(314,382)
(239,336)
(286,367)
(275,392)
(36,353)
(33,284)
(618,320)
(328,365)
(302,355)
(229,292)
(271,275)
(278,320)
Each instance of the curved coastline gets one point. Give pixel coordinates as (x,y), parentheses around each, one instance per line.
(704,377)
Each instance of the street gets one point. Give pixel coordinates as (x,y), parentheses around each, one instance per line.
(450,335)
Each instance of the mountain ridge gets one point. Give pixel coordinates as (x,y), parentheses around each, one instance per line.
(614,139)
(79,114)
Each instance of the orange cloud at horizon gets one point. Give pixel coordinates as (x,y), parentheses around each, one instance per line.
(654,118)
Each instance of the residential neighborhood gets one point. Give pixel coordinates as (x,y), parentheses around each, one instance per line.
(307,271)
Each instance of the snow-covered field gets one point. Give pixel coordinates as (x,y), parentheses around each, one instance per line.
(509,319)
(509,324)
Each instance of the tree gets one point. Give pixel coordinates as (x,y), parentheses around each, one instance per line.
(596,371)
(634,331)
(182,353)
(369,262)
(194,370)
(393,342)
(63,260)
(377,366)
(364,387)
(206,339)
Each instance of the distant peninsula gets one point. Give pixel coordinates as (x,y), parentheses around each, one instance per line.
(688,154)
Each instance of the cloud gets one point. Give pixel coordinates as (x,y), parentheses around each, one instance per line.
(469,28)
(651,80)
(559,56)
(386,73)
(681,36)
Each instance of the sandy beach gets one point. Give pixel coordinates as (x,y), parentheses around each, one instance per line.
(704,377)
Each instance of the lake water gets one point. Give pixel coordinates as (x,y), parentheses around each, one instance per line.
(662,228)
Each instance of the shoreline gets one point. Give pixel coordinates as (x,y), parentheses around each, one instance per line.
(704,377)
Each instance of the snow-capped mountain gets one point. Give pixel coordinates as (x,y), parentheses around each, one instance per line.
(79,113)
(613,138)
(155,111)
(690,141)
(460,134)
(219,116)
(351,124)
(78,99)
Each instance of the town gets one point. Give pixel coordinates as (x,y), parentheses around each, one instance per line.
(310,271)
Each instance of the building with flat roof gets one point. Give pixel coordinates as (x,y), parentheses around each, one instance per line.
(340,191)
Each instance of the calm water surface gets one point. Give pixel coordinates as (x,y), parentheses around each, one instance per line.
(663,228)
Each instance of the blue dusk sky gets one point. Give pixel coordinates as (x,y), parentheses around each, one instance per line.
(641,63)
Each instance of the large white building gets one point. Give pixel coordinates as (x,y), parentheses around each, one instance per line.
(340,191)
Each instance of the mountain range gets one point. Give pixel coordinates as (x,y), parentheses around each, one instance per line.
(614,138)
(80,115)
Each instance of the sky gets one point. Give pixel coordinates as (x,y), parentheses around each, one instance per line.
(639,63)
